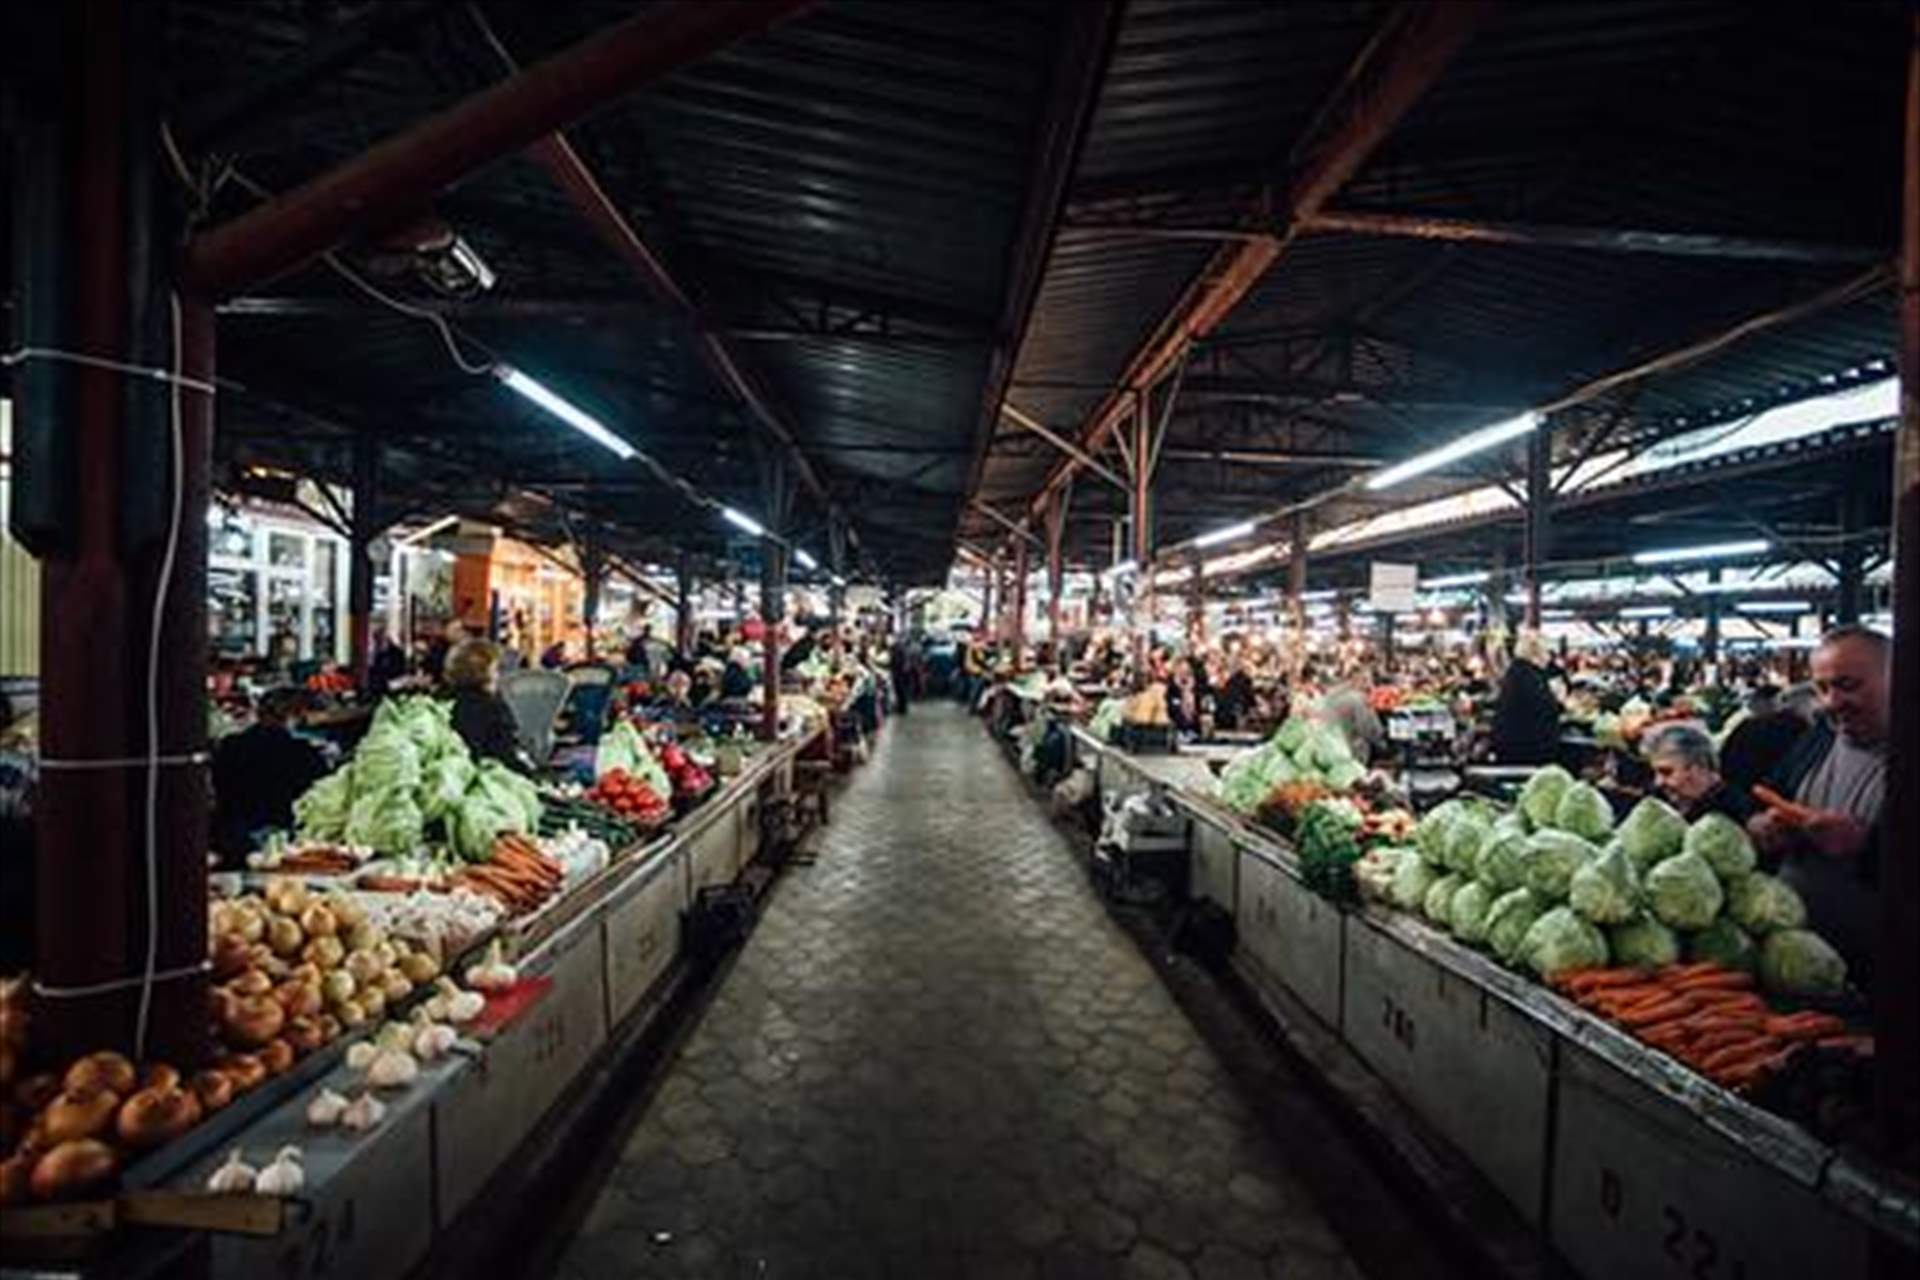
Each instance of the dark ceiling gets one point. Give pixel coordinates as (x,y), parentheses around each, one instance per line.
(893,214)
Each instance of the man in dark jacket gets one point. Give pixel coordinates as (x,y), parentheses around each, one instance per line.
(1526,716)
(1839,770)
(258,773)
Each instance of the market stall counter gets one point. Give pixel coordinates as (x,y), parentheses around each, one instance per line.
(385,1157)
(1627,1161)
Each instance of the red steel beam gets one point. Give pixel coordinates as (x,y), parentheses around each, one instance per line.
(1411,50)
(408,170)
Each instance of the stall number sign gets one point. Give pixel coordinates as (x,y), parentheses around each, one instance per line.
(1391,587)
(1691,1248)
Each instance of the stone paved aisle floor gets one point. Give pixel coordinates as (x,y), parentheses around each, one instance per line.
(937,1056)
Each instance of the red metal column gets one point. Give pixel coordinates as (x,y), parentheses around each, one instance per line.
(103,614)
(1896,1008)
(1018,629)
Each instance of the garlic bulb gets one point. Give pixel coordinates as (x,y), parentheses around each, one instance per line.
(431,1040)
(235,1177)
(395,1035)
(360,1056)
(493,973)
(392,1069)
(284,1177)
(363,1113)
(323,1112)
(457,1006)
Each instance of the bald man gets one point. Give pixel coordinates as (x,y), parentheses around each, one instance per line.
(1839,770)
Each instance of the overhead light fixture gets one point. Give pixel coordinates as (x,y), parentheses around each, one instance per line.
(1319,595)
(422,534)
(574,416)
(839,581)
(472,263)
(1124,567)
(743,522)
(1555,615)
(1466,446)
(1774,606)
(1648,611)
(1454,580)
(1227,534)
(805,558)
(1707,551)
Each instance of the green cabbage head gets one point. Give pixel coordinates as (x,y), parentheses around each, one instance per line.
(1684,892)
(1503,859)
(1719,840)
(1643,943)
(1606,890)
(1725,944)
(321,811)
(1652,832)
(387,821)
(1761,903)
(1467,913)
(1552,858)
(1585,812)
(1438,906)
(1799,962)
(1508,920)
(1540,797)
(1561,940)
(1411,880)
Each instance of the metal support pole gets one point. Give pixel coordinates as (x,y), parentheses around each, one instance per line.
(773,586)
(1297,539)
(683,605)
(1017,632)
(1056,569)
(1710,646)
(837,559)
(111,601)
(593,574)
(1196,606)
(1853,556)
(989,621)
(1539,516)
(365,527)
(1896,988)
(1142,527)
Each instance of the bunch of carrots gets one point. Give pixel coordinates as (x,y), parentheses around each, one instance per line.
(1705,1015)
(518,874)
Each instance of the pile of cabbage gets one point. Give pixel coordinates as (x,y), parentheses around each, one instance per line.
(1555,885)
(412,778)
(1301,750)
(622,748)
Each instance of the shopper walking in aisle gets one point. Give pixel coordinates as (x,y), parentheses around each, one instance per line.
(1838,770)
(1526,716)
(900,671)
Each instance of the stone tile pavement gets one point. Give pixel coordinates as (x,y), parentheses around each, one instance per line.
(937,1056)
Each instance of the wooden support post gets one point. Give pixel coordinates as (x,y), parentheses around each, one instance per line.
(1896,987)
(124,584)
(365,528)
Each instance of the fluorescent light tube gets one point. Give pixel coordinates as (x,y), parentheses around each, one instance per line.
(1466,446)
(839,581)
(805,558)
(1707,551)
(1454,580)
(1227,534)
(580,420)
(1774,606)
(1125,566)
(1648,611)
(1319,595)
(472,263)
(743,522)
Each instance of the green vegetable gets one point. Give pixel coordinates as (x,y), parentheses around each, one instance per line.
(1503,858)
(1433,829)
(1324,748)
(1652,832)
(386,760)
(1437,906)
(1684,892)
(1551,859)
(1346,775)
(1106,718)
(483,817)
(1467,913)
(1761,903)
(1461,849)
(1290,735)
(1508,920)
(321,812)
(1328,850)
(1561,940)
(1605,890)
(1724,943)
(1585,812)
(1799,962)
(1540,797)
(1643,943)
(1719,840)
(446,782)
(387,821)
(1411,880)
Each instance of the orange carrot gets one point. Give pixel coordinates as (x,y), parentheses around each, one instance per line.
(1789,811)
(1735,1054)
(1726,980)
(1801,1027)
(1654,1012)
